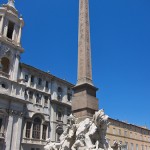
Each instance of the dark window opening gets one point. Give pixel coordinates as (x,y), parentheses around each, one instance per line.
(69,96)
(31,95)
(1,121)
(46,100)
(32,79)
(10,29)
(44,132)
(5,64)
(59,93)
(59,115)
(39,81)
(38,98)
(36,128)
(46,85)
(25,93)
(26,78)
(4,86)
(28,129)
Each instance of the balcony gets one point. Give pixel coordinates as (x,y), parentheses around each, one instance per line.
(33,141)
(3,74)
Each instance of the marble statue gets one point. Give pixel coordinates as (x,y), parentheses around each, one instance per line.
(86,135)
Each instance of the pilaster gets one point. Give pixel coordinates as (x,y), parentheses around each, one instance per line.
(9,132)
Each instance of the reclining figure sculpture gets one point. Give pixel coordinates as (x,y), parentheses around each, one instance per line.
(86,135)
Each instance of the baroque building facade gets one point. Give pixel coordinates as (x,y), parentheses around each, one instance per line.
(34,105)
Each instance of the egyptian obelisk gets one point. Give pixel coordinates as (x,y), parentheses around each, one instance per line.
(84,102)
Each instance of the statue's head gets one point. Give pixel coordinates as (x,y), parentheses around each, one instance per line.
(71,119)
(100,118)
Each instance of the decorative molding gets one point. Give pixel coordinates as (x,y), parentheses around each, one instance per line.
(5,51)
(15,113)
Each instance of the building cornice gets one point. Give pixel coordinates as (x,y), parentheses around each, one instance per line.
(48,75)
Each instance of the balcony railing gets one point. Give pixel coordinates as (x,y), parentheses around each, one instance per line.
(3,74)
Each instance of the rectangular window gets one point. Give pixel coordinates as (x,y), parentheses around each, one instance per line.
(142,147)
(1,121)
(40,81)
(26,78)
(146,147)
(130,134)
(114,131)
(44,132)
(32,79)
(32,149)
(59,115)
(46,100)
(126,143)
(137,147)
(10,29)
(119,132)
(125,133)
(132,146)
(46,84)
(30,95)
(38,98)
(28,129)
(36,131)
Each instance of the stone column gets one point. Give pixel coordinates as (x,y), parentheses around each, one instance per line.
(14,133)
(9,132)
(19,35)
(41,131)
(1,25)
(16,67)
(31,130)
(29,81)
(14,33)
(5,28)
(65,115)
(19,134)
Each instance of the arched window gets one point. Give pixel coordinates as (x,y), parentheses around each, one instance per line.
(36,128)
(5,64)
(59,91)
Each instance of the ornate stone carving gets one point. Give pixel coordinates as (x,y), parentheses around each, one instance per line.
(5,51)
(15,112)
(87,135)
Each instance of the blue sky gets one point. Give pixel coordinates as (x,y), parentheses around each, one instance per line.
(120,40)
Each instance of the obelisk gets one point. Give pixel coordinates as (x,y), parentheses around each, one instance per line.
(84,102)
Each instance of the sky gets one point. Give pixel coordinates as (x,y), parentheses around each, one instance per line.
(120,44)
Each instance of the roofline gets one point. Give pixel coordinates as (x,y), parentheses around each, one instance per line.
(47,74)
(130,124)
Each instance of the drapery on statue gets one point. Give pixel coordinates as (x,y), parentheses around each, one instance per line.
(87,135)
